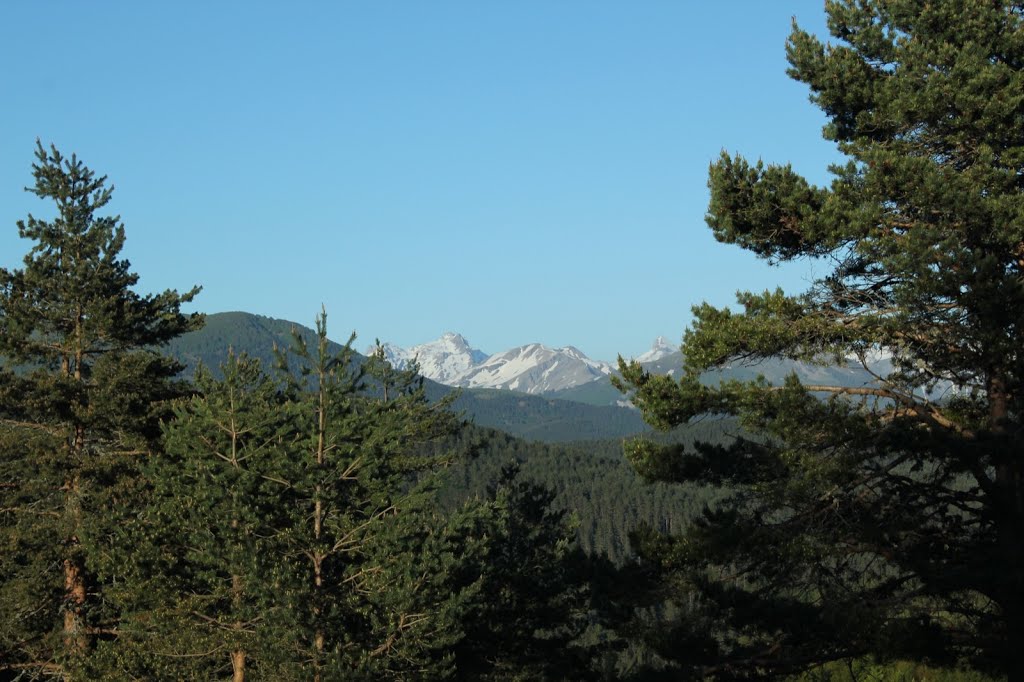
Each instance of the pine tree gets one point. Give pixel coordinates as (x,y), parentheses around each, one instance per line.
(291,531)
(531,604)
(81,397)
(359,521)
(205,557)
(887,518)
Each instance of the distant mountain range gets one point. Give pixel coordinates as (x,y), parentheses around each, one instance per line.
(567,374)
(532,417)
(534,369)
(533,391)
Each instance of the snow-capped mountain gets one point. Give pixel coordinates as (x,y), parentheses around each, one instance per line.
(569,374)
(660,349)
(443,360)
(535,368)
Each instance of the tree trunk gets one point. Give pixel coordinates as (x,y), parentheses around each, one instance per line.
(318,635)
(1010,526)
(318,516)
(75,641)
(75,636)
(238,665)
(237,594)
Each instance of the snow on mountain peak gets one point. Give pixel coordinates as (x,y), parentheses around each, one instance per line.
(533,368)
(454,338)
(442,360)
(659,349)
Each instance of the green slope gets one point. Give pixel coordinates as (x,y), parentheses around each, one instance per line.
(541,418)
(243,332)
(599,392)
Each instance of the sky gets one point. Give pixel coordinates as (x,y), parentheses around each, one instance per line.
(518,172)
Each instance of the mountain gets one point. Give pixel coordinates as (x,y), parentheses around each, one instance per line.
(536,392)
(443,360)
(526,416)
(567,374)
(660,349)
(662,358)
(599,392)
(535,369)
(255,335)
(541,418)
(669,361)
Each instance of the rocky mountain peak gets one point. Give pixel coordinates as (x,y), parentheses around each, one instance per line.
(533,368)
(442,360)
(661,348)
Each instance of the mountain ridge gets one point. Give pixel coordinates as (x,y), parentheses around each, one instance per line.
(442,360)
(533,368)
(531,417)
(566,373)
(557,376)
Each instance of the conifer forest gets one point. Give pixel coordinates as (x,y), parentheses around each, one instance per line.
(293,509)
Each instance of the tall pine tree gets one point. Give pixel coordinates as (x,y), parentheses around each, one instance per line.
(204,561)
(885,518)
(367,591)
(81,396)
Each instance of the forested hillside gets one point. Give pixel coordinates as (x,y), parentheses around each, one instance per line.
(592,482)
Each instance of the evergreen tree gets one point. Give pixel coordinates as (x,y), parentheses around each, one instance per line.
(205,557)
(416,586)
(81,397)
(532,602)
(234,576)
(886,518)
(367,560)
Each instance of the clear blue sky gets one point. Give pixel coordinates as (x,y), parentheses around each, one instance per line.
(515,171)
